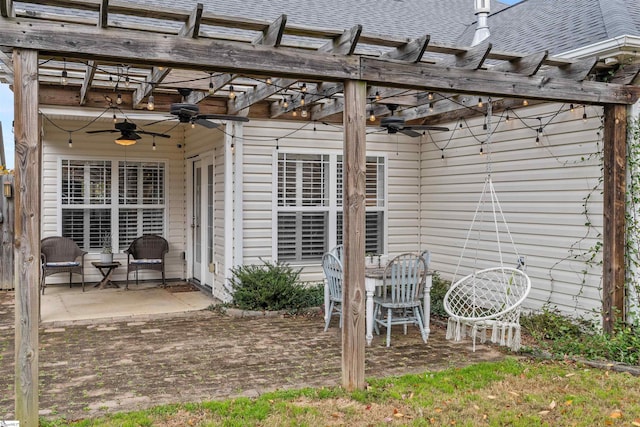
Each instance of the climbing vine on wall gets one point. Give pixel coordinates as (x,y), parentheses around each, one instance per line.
(632,232)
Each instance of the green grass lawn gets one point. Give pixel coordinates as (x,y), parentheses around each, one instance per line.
(508,393)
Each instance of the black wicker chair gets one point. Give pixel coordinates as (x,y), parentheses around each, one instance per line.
(147,253)
(60,255)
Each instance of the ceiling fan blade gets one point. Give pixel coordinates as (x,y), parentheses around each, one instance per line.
(159,121)
(428,127)
(206,123)
(160,135)
(409,132)
(103,130)
(223,117)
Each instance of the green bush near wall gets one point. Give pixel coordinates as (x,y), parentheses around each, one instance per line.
(273,287)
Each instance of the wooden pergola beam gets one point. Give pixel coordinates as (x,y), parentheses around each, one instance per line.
(6,8)
(191,28)
(243,58)
(87,81)
(27,234)
(7,64)
(615,171)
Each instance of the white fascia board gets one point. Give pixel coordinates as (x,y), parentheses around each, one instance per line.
(621,45)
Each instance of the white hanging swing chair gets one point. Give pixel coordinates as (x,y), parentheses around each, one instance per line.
(488,297)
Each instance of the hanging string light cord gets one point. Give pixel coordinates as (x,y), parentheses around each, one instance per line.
(92,121)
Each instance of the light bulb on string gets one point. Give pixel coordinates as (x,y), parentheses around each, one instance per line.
(378,97)
(430,96)
(211,88)
(431,107)
(127,82)
(277,144)
(119,99)
(507,118)
(295,113)
(232,93)
(112,83)
(153,144)
(302,99)
(285,103)
(151,104)
(372,116)
(480,104)
(63,75)
(303,113)
(584,113)
(481,151)
(269,81)
(442,155)
(70,143)
(484,125)
(303,88)
(525,102)
(115,119)
(571,108)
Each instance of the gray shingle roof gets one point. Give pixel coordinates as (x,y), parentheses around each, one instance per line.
(559,25)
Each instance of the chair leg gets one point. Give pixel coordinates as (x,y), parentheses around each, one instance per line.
(389,327)
(126,286)
(70,278)
(328,320)
(164,284)
(423,333)
(82,274)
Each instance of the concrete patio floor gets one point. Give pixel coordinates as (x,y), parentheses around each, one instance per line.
(91,367)
(60,303)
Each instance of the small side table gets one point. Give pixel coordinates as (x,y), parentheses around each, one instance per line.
(106,269)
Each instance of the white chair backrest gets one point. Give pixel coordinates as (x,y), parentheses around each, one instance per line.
(337,252)
(333,272)
(404,278)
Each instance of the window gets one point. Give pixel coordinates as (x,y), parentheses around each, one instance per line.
(309,207)
(93,206)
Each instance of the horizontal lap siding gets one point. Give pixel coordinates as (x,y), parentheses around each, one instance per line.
(101,146)
(541,188)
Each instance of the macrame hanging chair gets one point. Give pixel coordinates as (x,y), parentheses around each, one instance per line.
(489,297)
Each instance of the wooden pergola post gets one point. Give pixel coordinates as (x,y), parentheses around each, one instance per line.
(27,234)
(353,292)
(615,170)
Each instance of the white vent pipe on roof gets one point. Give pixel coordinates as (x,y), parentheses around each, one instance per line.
(482,9)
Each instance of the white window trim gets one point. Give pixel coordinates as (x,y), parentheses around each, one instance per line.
(114,192)
(332,207)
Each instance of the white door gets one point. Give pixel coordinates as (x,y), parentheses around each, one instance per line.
(196,221)
(202,221)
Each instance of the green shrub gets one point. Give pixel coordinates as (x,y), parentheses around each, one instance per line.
(438,289)
(272,287)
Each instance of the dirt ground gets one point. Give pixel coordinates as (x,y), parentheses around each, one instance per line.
(92,368)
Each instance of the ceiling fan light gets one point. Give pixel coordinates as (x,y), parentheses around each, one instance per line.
(127,138)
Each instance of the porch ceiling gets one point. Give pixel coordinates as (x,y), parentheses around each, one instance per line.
(114,47)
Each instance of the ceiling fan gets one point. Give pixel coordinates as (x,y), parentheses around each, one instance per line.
(394,124)
(128,133)
(190,113)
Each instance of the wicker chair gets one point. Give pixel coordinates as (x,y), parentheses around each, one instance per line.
(60,255)
(147,253)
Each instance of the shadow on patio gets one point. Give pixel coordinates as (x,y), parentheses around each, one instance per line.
(88,368)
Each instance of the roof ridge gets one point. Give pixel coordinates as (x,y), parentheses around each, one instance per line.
(616,17)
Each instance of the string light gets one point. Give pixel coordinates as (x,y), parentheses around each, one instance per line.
(70,141)
(285,103)
(507,118)
(277,144)
(484,125)
(378,97)
(480,103)
(525,102)
(269,81)
(372,116)
(430,96)
(151,104)
(481,151)
(119,98)
(571,108)
(211,89)
(442,155)
(295,113)
(584,113)
(193,125)
(431,107)
(303,88)
(153,144)
(232,94)
(112,83)
(127,82)
(63,76)
(302,99)
(303,113)
(115,119)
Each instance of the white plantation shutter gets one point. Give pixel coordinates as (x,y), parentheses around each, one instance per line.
(304,205)
(89,201)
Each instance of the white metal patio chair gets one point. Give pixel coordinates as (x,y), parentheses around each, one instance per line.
(403,282)
(333,273)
